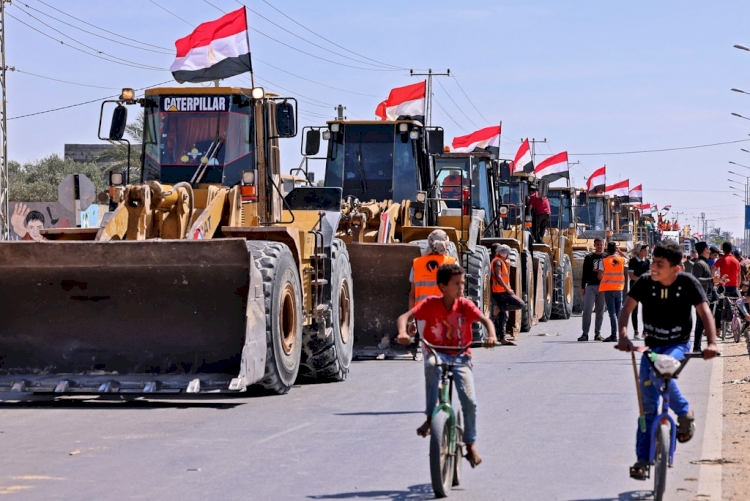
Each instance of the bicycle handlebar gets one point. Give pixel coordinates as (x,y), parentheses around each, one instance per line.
(461,349)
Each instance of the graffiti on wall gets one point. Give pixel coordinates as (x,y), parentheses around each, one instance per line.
(27,220)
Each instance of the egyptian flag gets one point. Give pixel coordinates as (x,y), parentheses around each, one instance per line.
(618,189)
(597,181)
(645,208)
(636,194)
(666,208)
(215,50)
(404,103)
(553,168)
(523,162)
(483,139)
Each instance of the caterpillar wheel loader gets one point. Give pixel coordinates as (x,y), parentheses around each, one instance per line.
(391,203)
(202,278)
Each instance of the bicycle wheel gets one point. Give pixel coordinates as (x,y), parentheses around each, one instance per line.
(660,461)
(736,329)
(441,463)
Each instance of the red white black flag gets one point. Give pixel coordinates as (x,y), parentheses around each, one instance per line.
(523,162)
(619,189)
(215,50)
(483,139)
(553,168)
(404,103)
(636,194)
(597,181)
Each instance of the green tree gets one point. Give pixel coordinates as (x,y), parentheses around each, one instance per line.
(37,181)
(718,237)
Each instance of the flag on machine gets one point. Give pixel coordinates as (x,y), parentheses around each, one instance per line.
(483,139)
(553,168)
(635,195)
(404,103)
(619,189)
(215,50)
(523,161)
(597,181)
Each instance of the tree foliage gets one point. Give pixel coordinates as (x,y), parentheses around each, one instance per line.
(717,237)
(37,181)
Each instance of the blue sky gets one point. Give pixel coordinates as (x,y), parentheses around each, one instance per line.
(588,76)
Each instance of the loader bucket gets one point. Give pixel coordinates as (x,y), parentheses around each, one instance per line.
(380,273)
(126,316)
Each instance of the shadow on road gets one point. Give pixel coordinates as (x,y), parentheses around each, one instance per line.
(111,404)
(625,496)
(384,413)
(415,492)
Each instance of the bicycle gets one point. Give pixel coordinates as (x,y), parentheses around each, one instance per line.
(733,324)
(446,429)
(663,428)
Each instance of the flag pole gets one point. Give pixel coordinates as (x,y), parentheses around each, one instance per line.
(249,52)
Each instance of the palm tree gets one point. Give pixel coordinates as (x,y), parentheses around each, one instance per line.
(718,237)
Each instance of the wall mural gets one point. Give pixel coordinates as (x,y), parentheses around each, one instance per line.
(28,219)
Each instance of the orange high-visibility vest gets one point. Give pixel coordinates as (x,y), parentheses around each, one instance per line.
(504,272)
(614,274)
(425,275)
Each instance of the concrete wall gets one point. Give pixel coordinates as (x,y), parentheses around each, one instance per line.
(91,152)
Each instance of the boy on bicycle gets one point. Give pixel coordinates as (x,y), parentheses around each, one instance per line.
(446,320)
(667,296)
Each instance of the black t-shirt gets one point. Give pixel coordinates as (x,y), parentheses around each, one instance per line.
(638,267)
(666,310)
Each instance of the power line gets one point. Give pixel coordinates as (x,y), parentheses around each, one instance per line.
(81,104)
(661,150)
(457,106)
(94,34)
(313,81)
(116,60)
(448,114)
(329,41)
(99,28)
(469,99)
(170,12)
(11,68)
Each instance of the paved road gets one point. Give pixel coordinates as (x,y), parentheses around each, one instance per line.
(557,421)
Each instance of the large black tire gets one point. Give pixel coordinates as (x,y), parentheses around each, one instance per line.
(547,284)
(327,352)
(578,257)
(527,313)
(660,461)
(479,287)
(441,464)
(562,297)
(282,293)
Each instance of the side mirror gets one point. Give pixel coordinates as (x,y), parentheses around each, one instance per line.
(285,126)
(543,186)
(312,142)
(504,172)
(119,121)
(435,141)
(582,199)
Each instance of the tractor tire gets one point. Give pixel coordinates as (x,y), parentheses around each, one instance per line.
(527,313)
(282,291)
(578,257)
(562,298)
(479,288)
(547,284)
(327,352)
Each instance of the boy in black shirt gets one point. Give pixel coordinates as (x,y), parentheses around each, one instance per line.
(667,296)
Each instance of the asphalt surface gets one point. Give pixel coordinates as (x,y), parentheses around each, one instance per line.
(557,420)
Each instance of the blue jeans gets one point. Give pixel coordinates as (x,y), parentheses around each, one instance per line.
(614,305)
(463,378)
(650,386)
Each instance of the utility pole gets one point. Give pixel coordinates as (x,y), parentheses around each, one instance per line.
(4,183)
(533,148)
(428,93)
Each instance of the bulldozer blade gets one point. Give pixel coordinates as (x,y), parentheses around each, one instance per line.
(380,273)
(124,317)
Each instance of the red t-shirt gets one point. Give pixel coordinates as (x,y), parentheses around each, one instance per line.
(540,205)
(729,266)
(444,327)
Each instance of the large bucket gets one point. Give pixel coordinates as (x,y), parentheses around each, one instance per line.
(123,316)
(380,273)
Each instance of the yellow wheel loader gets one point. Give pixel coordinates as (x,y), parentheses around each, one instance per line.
(203,278)
(392,201)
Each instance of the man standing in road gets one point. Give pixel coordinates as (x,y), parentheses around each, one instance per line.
(611,274)
(727,266)
(637,266)
(541,209)
(590,291)
(702,272)
(502,292)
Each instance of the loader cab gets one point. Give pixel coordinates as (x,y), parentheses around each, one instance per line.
(591,212)
(376,160)
(466,177)
(561,207)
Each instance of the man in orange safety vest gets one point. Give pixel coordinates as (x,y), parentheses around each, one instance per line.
(612,282)
(502,292)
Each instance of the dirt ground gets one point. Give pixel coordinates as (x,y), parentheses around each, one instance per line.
(736,437)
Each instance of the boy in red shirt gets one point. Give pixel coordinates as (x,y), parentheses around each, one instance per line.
(446,321)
